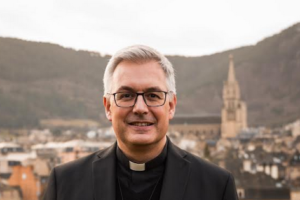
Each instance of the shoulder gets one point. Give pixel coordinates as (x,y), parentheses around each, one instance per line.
(202,167)
(206,177)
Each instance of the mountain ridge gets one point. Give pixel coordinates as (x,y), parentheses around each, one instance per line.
(42,80)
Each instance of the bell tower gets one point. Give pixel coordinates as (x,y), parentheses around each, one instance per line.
(234,111)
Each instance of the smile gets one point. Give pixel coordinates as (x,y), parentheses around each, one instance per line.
(141,124)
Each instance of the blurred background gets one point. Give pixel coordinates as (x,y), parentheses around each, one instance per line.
(237,67)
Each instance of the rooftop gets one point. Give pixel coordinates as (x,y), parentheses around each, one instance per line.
(196,119)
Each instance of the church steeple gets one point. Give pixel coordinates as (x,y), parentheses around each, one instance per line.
(231,90)
(231,72)
(234,111)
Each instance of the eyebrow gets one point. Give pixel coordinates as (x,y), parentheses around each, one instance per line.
(122,88)
(126,88)
(153,89)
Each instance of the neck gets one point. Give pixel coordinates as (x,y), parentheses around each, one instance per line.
(142,153)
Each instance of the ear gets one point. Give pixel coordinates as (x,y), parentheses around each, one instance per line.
(107,106)
(172,105)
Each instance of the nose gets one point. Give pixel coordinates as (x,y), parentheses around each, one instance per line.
(140,106)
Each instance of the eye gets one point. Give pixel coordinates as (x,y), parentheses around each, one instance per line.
(125,96)
(153,96)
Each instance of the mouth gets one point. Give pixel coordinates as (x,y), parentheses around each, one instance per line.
(141,124)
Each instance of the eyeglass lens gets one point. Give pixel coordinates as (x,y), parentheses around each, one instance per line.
(128,99)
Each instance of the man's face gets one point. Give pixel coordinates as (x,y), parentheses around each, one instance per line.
(127,122)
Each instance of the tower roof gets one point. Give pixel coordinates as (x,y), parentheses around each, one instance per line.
(231,72)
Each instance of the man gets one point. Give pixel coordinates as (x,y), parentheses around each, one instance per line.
(139,100)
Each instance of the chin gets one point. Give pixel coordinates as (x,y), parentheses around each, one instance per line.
(139,139)
(144,139)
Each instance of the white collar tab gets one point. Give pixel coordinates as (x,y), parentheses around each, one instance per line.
(137,167)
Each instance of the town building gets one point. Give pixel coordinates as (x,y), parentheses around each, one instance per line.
(202,126)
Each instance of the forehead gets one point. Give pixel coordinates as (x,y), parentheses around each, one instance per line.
(139,76)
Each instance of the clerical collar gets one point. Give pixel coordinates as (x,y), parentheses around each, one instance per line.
(157,161)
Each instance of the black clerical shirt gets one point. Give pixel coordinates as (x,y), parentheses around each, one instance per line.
(140,185)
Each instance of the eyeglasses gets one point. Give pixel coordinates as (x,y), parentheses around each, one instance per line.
(128,99)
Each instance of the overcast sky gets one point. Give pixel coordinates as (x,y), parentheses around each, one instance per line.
(171,26)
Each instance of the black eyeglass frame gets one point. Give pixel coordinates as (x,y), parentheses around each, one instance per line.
(137,94)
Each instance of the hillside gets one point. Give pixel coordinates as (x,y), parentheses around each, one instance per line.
(44,81)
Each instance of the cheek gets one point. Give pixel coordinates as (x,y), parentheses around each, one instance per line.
(163,116)
(118,115)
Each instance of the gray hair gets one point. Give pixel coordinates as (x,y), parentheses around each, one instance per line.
(138,53)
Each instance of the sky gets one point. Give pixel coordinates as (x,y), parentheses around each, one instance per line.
(174,27)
